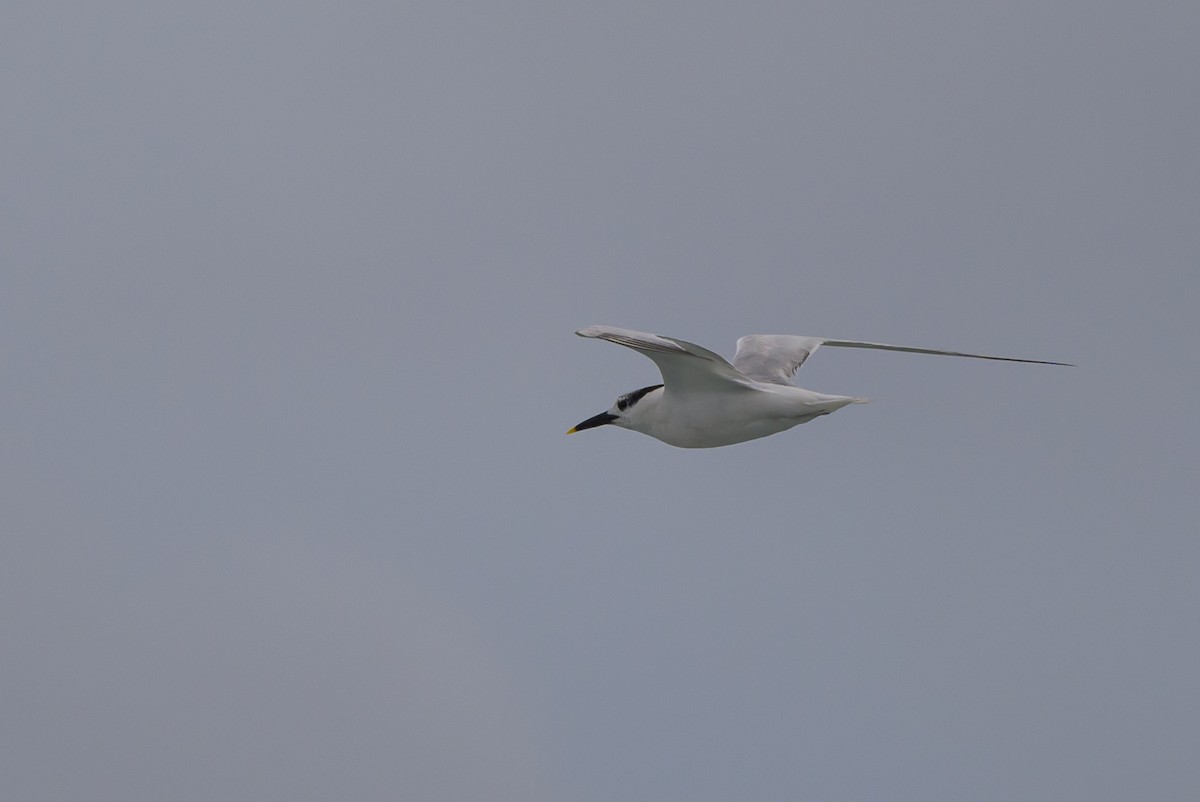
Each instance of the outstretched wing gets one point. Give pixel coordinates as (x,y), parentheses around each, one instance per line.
(683,365)
(775,358)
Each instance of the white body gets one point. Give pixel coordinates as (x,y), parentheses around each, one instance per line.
(708,420)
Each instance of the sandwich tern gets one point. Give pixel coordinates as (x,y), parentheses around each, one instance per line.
(705,402)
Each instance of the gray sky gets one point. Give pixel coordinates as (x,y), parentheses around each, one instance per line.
(286,311)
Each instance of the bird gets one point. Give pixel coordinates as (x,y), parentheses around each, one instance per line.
(706,402)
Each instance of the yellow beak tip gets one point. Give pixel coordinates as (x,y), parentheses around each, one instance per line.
(571,430)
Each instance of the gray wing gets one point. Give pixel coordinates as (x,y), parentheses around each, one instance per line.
(683,365)
(775,358)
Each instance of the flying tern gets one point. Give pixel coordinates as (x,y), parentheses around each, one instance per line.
(705,401)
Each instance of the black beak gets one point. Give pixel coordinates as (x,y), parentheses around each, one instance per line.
(593,422)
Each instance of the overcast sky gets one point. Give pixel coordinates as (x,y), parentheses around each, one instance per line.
(287,294)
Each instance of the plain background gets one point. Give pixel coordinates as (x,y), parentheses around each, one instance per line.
(287,294)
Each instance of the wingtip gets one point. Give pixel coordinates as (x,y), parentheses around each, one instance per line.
(1042,362)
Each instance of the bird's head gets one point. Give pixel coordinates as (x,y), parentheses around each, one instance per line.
(625,413)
